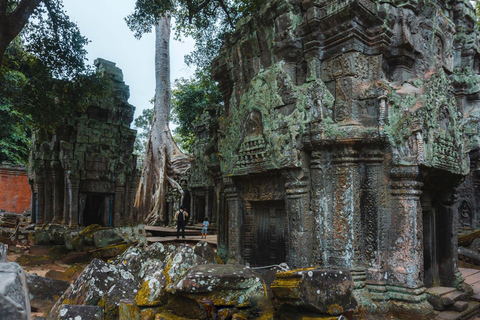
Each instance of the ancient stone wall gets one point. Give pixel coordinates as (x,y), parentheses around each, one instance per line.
(85,174)
(15,192)
(345,133)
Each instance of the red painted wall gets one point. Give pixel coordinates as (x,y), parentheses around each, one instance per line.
(15,192)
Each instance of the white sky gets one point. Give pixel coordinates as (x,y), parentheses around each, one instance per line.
(102,22)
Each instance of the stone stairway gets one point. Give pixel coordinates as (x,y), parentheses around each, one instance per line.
(451,304)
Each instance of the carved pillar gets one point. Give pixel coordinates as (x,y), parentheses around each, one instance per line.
(235,224)
(66,200)
(192,206)
(48,215)
(320,207)
(249,237)
(406,240)
(300,220)
(372,202)
(73,185)
(344,243)
(119,215)
(40,187)
(57,178)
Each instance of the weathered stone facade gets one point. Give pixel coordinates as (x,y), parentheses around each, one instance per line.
(86,173)
(346,130)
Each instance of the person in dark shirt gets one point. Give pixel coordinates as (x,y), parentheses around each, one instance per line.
(180,218)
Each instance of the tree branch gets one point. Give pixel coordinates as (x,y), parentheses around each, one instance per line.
(19,17)
(3,9)
(224,7)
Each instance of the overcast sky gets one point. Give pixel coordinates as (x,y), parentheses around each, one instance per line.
(102,22)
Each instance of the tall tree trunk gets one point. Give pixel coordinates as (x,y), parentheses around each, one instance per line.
(164,161)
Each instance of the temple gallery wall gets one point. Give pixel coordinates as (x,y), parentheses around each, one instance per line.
(348,139)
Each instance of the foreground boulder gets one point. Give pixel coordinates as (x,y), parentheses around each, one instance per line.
(162,268)
(92,284)
(139,274)
(226,285)
(68,312)
(44,292)
(206,288)
(14,300)
(318,290)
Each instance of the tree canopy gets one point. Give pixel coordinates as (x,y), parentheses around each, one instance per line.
(43,74)
(205,21)
(191,97)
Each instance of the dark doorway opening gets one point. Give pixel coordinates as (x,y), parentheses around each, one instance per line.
(269,232)
(200,208)
(439,243)
(97,209)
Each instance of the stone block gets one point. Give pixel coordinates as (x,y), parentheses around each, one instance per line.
(103,238)
(44,292)
(14,300)
(460,306)
(68,312)
(324,291)
(92,284)
(128,310)
(224,285)
(3,253)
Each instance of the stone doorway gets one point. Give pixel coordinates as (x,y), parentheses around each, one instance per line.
(96,208)
(439,244)
(269,232)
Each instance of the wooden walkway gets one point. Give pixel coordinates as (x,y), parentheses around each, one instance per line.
(168,234)
(211,239)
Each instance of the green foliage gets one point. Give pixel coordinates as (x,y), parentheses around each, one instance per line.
(31,87)
(144,123)
(14,135)
(190,98)
(55,40)
(206,21)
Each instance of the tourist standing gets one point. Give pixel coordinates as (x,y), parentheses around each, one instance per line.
(180,219)
(205,225)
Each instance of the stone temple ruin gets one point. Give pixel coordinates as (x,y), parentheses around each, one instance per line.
(348,140)
(85,173)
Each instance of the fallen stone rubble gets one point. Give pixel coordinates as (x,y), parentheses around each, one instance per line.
(175,282)
(168,281)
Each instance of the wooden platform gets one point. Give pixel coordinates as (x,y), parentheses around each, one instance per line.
(211,239)
(158,231)
(169,234)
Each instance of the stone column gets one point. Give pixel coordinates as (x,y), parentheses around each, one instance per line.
(40,186)
(48,197)
(300,219)
(320,205)
(248,229)
(73,185)
(57,196)
(344,244)
(406,241)
(235,224)
(66,200)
